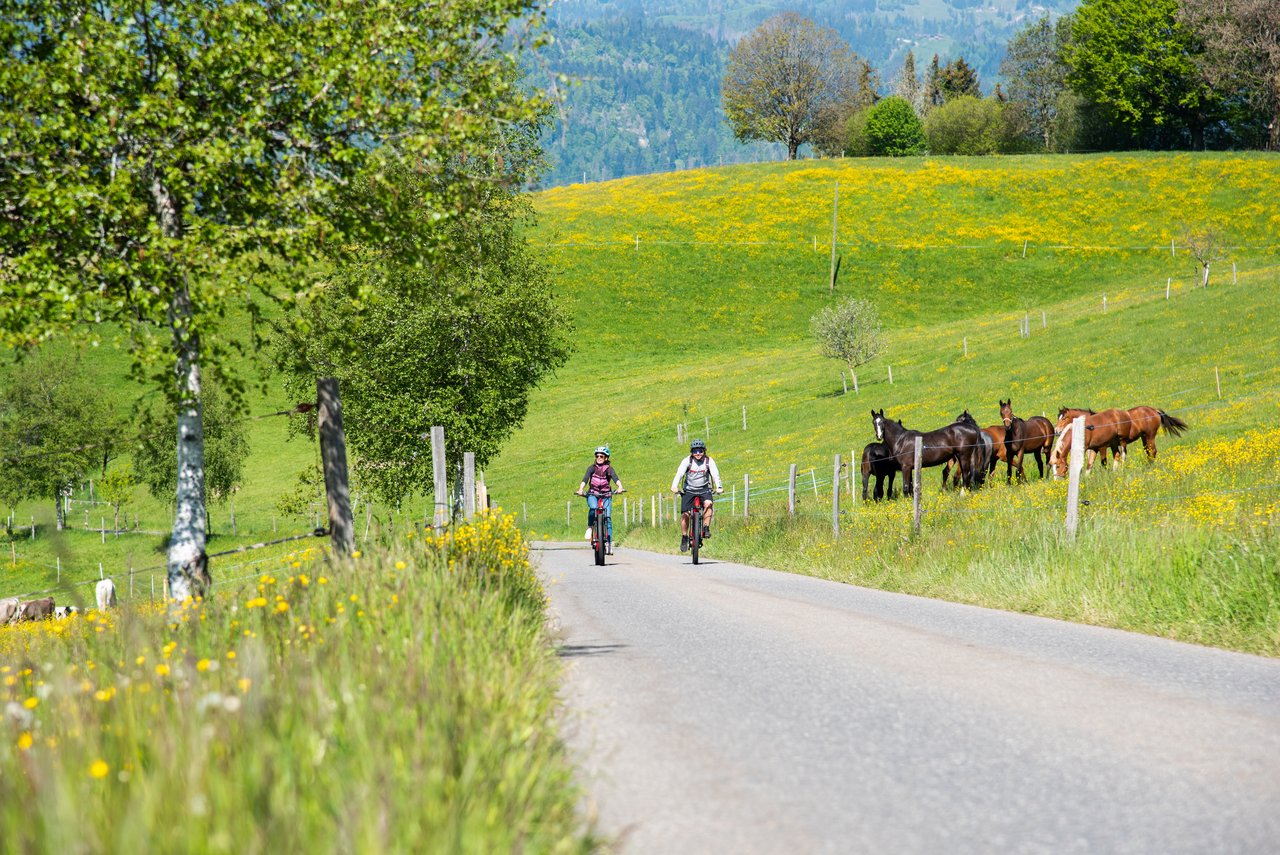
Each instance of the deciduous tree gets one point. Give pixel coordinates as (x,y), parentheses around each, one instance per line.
(164,162)
(1134,58)
(789,81)
(1037,76)
(1241,53)
(55,427)
(481,331)
(848,331)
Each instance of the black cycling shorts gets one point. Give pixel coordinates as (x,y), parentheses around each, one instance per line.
(686,501)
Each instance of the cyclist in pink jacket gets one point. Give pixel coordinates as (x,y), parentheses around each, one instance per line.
(597,486)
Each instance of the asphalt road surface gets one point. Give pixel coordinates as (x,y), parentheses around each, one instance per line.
(725,708)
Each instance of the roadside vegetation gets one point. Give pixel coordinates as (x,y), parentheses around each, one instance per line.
(402,700)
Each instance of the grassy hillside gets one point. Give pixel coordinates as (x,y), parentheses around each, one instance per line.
(709,312)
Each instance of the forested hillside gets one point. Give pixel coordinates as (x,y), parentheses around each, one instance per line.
(645,91)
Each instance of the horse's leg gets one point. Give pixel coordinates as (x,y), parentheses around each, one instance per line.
(1039,462)
(1017,463)
(893,473)
(879,490)
(1149,443)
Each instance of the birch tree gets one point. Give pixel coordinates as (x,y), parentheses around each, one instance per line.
(165,163)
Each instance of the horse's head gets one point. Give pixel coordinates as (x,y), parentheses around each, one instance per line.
(1006,412)
(877,419)
(966,418)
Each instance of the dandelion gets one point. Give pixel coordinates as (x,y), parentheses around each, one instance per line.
(202,665)
(24,741)
(99,769)
(162,669)
(31,703)
(400,565)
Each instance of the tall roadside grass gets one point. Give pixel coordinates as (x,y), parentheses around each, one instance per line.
(404,700)
(1187,547)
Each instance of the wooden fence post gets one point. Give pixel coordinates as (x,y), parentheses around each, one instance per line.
(744,417)
(333,457)
(791,490)
(746,495)
(1076,463)
(469,484)
(915,486)
(440,480)
(1217,381)
(835,498)
(890,375)
(835,211)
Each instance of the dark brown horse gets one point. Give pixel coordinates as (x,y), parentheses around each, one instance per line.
(1034,435)
(878,460)
(996,434)
(939,446)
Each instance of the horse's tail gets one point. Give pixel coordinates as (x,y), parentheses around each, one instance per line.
(1172,425)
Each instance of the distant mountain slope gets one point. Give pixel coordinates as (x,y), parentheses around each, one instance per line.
(646,91)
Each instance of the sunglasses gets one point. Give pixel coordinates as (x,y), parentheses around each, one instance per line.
(602,455)
(699,452)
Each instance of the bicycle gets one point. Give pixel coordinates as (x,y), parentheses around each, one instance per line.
(601,542)
(695,526)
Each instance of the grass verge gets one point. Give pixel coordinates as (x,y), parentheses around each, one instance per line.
(404,701)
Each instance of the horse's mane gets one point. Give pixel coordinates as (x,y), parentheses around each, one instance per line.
(1062,410)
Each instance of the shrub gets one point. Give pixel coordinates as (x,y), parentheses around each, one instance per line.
(968,125)
(855,135)
(894,129)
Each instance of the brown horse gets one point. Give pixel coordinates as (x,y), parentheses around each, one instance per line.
(1034,435)
(1065,416)
(1144,423)
(1101,431)
(879,461)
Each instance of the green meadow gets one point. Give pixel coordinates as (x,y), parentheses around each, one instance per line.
(692,293)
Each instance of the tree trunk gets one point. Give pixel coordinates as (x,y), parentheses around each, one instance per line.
(793,148)
(188,563)
(333,454)
(60,510)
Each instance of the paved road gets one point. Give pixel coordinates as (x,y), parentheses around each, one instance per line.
(725,708)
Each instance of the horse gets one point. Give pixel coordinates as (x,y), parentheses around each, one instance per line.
(1065,416)
(1144,423)
(939,446)
(982,453)
(878,460)
(1033,435)
(1101,430)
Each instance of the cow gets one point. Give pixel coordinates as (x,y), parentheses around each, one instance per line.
(106,594)
(65,611)
(40,609)
(8,610)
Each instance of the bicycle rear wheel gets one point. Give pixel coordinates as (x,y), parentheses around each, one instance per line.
(597,537)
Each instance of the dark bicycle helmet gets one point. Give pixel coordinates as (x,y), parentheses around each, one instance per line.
(697,445)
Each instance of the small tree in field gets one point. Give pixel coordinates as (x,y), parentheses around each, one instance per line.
(848,331)
(117,488)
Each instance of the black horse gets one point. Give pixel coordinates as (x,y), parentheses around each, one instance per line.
(878,460)
(958,441)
